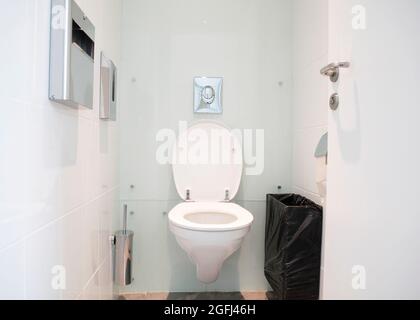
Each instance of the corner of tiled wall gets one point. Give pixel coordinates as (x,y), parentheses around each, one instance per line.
(59,166)
(310,91)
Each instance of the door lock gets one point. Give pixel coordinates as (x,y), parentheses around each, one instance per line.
(334,101)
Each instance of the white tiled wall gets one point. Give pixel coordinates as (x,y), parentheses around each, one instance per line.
(310,90)
(160,265)
(59,183)
(165,45)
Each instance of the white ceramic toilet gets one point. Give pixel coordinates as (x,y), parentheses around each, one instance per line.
(207,168)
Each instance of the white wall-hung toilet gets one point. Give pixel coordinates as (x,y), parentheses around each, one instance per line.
(207,168)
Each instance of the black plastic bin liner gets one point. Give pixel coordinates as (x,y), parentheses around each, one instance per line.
(293,247)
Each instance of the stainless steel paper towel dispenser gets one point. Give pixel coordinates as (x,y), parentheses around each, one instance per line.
(72,55)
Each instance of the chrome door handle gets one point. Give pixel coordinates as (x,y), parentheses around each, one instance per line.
(333,70)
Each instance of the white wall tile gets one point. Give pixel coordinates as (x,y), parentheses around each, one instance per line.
(90,238)
(108,210)
(12,273)
(165,46)
(13,211)
(161,265)
(304,169)
(100,285)
(43,251)
(106,280)
(244,270)
(17,22)
(310,91)
(310,96)
(252,51)
(310,31)
(77,256)
(58,166)
(92,290)
(158,262)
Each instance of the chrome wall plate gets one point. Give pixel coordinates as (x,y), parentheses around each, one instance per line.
(208,95)
(72,55)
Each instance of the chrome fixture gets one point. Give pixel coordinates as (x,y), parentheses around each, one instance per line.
(123,242)
(208,95)
(72,55)
(227,195)
(188,195)
(333,70)
(108,100)
(334,101)
(125,218)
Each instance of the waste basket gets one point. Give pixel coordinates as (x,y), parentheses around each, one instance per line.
(293,247)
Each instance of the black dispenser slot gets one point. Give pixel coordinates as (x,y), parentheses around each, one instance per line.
(83,41)
(113,86)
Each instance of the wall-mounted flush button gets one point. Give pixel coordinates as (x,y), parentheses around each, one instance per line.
(208,95)
(334,101)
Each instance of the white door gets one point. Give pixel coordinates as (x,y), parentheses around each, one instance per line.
(372,220)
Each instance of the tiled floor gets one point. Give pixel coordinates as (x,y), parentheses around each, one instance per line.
(200,296)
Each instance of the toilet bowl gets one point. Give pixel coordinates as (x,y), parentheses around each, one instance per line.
(207,226)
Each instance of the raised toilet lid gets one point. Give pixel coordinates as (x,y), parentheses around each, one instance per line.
(207,160)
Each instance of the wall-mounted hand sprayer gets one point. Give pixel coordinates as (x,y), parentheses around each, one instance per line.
(333,72)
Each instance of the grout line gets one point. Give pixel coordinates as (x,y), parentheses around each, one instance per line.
(318,126)
(25,267)
(181,201)
(312,63)
(80,113)
(91,278)
(56,220)
(306,191)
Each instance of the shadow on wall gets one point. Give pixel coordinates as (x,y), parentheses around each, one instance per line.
(182,271)
(103,137)
(63,138)
(349,139)
(243,271)
(183,276)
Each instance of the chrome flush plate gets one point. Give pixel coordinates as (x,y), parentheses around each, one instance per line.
(208,95)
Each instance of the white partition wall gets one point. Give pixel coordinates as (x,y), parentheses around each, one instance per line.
(310,91)
(58,165)
(165,45)
(372,239)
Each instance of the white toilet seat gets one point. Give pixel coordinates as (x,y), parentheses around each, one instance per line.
(207,163)
(234,217)
(207,168)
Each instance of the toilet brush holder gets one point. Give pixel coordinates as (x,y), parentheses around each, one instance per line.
(123,258)
(123,242)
